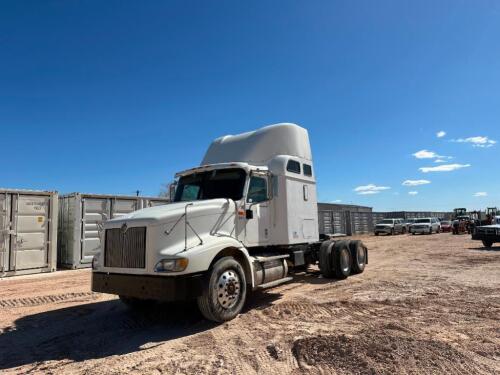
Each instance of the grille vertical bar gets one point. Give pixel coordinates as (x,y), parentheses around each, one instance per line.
(125,250)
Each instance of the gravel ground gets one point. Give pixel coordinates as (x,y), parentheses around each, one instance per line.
(424,305)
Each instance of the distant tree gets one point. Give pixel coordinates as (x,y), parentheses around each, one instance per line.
(164,191)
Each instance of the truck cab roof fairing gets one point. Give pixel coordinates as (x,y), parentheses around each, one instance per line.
(260,146)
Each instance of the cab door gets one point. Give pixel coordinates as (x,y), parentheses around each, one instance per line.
(258,217)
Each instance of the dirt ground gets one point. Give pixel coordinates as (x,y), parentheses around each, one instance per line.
(424,305)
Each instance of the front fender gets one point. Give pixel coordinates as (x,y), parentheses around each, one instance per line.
(201,257)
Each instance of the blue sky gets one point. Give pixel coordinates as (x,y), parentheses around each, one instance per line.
(110,97)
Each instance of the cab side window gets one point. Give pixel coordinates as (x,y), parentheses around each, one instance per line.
(257,190)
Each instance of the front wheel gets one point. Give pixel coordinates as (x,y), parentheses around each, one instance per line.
(224,292)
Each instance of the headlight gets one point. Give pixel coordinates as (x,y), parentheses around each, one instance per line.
(95,262)
(171,265)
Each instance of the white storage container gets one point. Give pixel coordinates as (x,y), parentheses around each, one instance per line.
(81,217)
(28,231)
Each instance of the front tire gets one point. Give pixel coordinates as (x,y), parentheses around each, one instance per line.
(224,292)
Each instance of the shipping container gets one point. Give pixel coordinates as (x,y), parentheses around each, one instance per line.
(80,222)
(344,219)
(413,214)
(28,231)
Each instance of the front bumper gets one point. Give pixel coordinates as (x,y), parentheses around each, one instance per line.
(383,230)
(420,230)
(160,288)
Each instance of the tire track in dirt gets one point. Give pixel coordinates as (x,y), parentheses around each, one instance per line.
(43,300)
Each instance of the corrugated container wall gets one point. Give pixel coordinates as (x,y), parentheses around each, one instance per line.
(377,216)
(28,231)
(80,221)
(344,218)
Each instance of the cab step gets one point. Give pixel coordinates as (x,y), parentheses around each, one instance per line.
(275,283)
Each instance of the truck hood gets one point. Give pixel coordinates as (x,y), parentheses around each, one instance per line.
(172,211)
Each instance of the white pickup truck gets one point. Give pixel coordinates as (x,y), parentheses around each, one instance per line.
(241,221)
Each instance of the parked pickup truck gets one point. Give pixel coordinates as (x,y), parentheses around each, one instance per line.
(240,221)
(488,234)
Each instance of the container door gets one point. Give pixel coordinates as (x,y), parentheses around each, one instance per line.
(95,211)
(4,231)
(30,239)
(120,206)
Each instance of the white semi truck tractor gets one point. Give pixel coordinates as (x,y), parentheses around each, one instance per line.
(243,220)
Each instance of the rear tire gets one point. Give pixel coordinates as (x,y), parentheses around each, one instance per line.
(325,259)
(224,291)
(376,233)
(358,255)
(487,244)
(342,260)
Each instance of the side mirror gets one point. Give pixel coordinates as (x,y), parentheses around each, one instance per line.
(171,190)
(249,214)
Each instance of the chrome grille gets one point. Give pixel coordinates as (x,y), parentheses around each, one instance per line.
(125,249)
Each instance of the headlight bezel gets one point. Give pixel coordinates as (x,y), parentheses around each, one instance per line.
(171,265)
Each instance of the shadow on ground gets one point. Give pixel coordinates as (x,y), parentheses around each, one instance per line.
(102,329)
(493,248)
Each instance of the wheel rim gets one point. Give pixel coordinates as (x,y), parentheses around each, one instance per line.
(344,261)
(361,255)
(228,289)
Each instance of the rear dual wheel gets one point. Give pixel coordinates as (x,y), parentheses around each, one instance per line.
(340,259)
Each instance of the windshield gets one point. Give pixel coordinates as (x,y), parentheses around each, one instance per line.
(423,221)
(387,221)
(219,183)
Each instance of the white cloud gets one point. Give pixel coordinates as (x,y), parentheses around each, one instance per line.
(415,182)
(481,194)
(426,154)
(337,201)
(440,161)
(413,192)
(440,134)
(478,141)
(444,168)
(370,189)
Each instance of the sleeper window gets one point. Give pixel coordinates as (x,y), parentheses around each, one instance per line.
(307,170)
(293,166)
